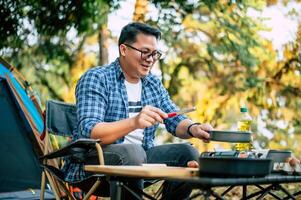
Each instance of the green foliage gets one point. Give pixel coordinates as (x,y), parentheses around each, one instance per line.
(43,38)
(19,19)
(218,59)
(210,35)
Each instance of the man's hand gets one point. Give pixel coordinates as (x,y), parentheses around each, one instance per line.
(149,116)
(201,131)
(193,164)
(293,161)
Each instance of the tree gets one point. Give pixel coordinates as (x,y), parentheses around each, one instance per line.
(45,39)
(140,10)
(217,59)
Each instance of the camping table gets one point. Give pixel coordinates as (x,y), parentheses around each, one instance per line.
(272,181)
(190,176)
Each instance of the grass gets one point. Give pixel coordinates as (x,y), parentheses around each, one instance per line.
(236,193)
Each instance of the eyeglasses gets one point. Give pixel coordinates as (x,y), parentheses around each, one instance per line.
(156,55)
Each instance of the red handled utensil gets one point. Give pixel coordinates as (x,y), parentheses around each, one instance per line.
(187,110)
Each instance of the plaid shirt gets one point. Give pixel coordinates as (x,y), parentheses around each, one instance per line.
(102,97)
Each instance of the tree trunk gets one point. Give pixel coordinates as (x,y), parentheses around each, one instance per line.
(140,10)
(103,41)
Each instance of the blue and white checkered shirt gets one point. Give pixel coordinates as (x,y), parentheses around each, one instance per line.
(101,96)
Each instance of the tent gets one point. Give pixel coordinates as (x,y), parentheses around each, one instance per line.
(21,125)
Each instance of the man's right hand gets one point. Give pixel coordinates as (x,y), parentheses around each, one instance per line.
(149,116)
(293,161)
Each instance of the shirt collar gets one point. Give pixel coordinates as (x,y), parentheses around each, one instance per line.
(118,70)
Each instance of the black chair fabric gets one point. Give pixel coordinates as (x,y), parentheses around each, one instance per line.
(60,118)
(77,150)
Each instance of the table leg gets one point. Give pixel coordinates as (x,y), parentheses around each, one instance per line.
(244,192)
(262,195)
(289,195)
(263,192)
(218,197)
(227,190)
(297,193)
(195,195)
(115,189)
(134,193)
(262,189)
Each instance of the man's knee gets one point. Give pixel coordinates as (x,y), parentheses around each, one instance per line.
(133,154)
(188,151)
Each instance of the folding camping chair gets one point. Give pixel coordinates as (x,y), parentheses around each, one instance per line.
(61,120)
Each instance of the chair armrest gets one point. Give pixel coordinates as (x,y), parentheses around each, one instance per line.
(77,150)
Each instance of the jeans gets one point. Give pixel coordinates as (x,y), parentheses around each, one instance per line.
(169,154)
(173,155)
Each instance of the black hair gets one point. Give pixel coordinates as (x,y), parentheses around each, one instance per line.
(129,32)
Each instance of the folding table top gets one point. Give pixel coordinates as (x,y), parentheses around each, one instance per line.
(189,175)
(150,171)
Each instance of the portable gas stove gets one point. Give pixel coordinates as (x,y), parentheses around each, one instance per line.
(253,163)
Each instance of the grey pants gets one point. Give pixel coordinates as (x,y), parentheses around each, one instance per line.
(169,154)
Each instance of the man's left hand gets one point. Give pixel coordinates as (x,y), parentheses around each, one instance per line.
(201,131)
(193,164)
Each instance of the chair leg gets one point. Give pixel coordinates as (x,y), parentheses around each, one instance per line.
(93,188)
(53,186)
(43,184)
(67,191)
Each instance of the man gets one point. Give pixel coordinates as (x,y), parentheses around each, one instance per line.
(122,104)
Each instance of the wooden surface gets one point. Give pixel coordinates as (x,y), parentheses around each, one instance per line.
(151,171)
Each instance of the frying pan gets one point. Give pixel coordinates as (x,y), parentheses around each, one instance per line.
(230,136)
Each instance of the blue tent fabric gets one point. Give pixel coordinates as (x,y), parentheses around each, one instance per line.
(27,101)
(20,127)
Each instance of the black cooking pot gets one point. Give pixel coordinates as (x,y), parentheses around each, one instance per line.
(234,167)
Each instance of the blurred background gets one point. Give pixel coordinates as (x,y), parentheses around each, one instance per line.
(218,54)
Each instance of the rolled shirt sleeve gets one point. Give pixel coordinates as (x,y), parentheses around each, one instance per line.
(91,101)
(167,105)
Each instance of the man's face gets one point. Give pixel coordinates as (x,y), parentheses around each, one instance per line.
(138,65)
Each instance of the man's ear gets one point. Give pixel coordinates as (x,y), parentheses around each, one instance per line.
(122,49)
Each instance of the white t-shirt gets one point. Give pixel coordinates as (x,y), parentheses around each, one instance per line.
(135,106)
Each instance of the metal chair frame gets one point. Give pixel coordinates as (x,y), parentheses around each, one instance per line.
(64,126)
